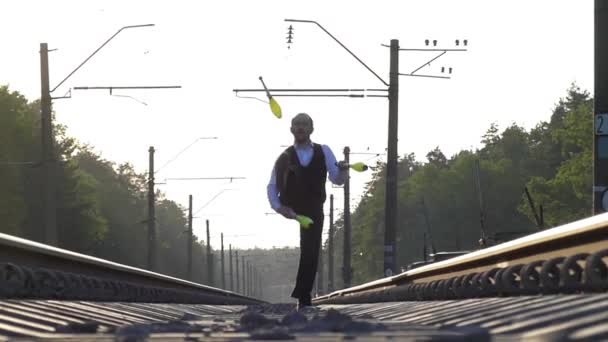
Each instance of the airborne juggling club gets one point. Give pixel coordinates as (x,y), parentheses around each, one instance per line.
(274,105)
(306,221)
(359,167)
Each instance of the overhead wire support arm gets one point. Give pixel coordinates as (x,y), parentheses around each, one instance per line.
(95,52)
(112,88)
(429,62)
(342,45)
(127,87)
(443,52)
(430,76)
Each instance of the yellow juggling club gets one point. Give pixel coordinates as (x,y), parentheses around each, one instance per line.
(274,105)
(304,221)
(359,167)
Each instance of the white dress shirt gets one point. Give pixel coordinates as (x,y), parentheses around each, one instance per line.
(305,153)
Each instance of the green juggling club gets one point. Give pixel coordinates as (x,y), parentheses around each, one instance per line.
(304,221)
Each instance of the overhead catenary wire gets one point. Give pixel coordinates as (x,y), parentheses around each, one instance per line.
(182,151)
(211,200)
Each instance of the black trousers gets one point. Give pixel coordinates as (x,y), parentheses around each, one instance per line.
(310,243)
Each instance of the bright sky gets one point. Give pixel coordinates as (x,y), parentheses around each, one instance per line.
(522,57)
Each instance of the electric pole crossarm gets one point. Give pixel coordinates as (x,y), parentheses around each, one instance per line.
(94,52)
(305,90)
(326,95)
(126,87)
(456,50)
(342,45)
(314,92)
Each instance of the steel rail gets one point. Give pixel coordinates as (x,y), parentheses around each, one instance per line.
(21,256)
(588,235)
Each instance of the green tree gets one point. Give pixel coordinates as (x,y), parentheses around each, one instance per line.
(566,195)
(17,127)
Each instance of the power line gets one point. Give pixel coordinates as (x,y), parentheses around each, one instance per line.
(182,151)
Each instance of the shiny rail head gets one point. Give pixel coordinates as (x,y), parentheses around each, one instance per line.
(564,234)
(27,253)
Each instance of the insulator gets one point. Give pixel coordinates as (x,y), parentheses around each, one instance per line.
(434,42)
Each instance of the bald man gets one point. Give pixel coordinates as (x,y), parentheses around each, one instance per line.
(297,187)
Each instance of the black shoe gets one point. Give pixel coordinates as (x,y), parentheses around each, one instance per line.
(304,302)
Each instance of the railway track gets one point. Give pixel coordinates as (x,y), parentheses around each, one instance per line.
(547,286)
(572,258)
(31,270)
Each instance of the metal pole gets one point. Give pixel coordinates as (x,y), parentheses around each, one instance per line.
(260,287)
(477,174)
(600,146)
(321,279)
(539,223)
(209,256)
(48,153)
(151,213)
(346,268)
(390,211)
(230,267)
(238,280)
(189,248)
(330,247)
(254,281)
(222,268)
(246,279)
(249,278)
(428,229)
(243,274)
(424,249)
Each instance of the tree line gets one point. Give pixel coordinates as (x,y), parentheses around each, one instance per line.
(438,199)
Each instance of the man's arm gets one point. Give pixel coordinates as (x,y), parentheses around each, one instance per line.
(273,197)
(336,175)
(272,192)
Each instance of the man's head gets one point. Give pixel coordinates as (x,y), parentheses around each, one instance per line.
(301,128)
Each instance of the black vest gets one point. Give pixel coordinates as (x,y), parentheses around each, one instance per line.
(301,188)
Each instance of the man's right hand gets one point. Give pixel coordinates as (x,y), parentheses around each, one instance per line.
(342,165)
(287,212)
